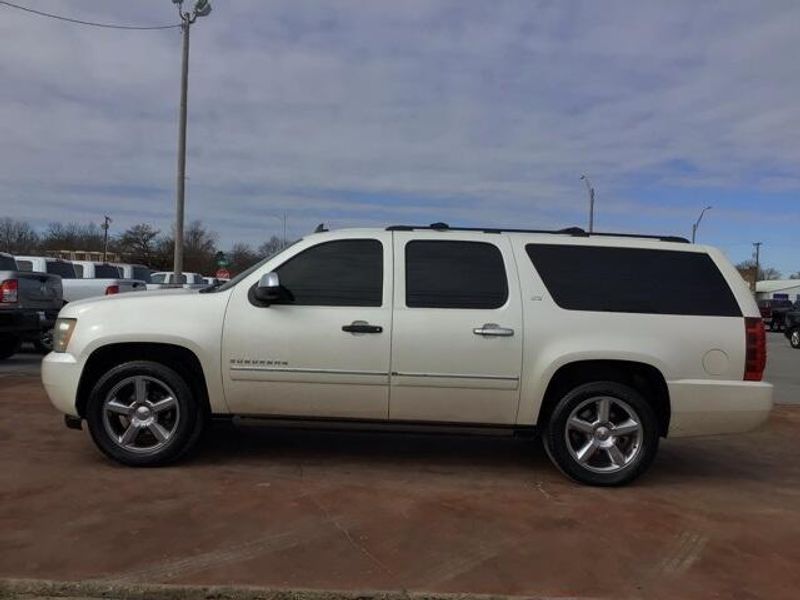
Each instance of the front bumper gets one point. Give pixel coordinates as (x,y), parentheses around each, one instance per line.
(61,374)
(708,407)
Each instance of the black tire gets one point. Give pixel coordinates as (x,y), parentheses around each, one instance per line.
(794,338)
(186,425)
(9,345)
(44,343)
(639,448)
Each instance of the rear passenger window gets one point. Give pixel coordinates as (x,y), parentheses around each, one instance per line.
(24,265)
(340,273)
(633,280)
(442,274)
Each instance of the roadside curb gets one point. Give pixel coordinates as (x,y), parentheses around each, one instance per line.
(85,590)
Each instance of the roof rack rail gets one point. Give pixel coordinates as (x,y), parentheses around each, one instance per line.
(573,231)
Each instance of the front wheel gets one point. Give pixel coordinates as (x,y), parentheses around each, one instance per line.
(794,338)
(603,434)
(143,413)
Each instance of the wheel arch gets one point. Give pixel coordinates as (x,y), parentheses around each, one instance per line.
(179,358)
(644,378)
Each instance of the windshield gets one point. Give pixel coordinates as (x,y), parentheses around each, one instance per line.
(60,267)
(244,274)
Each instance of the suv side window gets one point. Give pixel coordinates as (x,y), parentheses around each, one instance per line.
(633,280)
(338,273)
(444,274)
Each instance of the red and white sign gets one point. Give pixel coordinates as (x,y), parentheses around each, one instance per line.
(222,274)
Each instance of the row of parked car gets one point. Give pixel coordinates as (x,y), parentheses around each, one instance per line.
(33,289)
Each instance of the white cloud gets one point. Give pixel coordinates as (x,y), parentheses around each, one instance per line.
(482,112)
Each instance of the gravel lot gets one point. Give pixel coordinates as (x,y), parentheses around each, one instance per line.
(715,517)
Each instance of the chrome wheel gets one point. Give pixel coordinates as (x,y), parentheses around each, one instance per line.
(604,434)
(794,339)
(141,414)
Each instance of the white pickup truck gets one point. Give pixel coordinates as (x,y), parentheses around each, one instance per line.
(96,279)
(604,343)
(166,279)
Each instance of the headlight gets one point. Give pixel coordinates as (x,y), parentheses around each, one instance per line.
(62,332)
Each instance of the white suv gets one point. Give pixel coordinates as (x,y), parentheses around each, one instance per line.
(604,343)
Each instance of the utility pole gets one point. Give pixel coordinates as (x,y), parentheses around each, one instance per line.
(201,9)
(697,223)
(757,246)
(284,229)
(590,190)
(106,222)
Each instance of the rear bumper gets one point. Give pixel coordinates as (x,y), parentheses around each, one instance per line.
(60,376)
(19,321)
(703,407)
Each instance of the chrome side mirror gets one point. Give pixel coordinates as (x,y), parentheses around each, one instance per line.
(268,289)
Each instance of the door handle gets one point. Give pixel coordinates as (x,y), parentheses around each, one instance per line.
(493,329)
(362,327)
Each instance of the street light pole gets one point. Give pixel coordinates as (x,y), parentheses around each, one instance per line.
(590,190)
(697,223)
(201,9)
(757,246)
(106,223)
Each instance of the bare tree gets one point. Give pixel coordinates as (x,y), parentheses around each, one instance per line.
(241,257)
(73,236)
(270,247)
(747,269)
(17,237)
(139,243)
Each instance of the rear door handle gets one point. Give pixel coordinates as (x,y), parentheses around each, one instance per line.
(493,329)
(362,327)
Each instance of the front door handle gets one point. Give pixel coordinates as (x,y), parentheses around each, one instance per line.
(493,329)
(362,327)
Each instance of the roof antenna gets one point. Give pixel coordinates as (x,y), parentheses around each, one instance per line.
(320,228)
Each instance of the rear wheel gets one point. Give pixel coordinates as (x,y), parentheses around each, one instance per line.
(143,413)
(9,345)
(794,338)
(602,433)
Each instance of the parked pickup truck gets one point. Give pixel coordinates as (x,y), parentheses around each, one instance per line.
(780,309)
(140,272)
(164,280)
(769,306)
(29,305)
(603,343)
(792,328)
(86,286)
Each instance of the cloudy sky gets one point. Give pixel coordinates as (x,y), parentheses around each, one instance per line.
(473,112)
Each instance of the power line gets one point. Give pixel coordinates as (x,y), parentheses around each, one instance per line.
(79,22)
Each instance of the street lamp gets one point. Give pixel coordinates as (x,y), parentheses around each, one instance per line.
(697,223)
(201,8)
(590,190)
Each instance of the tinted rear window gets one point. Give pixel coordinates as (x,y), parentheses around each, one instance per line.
(59,267)
(25,265)
(633,280)
(106,272)
(142,274)
(441,274)
(7,263)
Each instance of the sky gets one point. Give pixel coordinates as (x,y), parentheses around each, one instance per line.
(371,112)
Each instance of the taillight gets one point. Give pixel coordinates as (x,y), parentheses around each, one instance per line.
(9,291)
(112,289)
(756,345)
